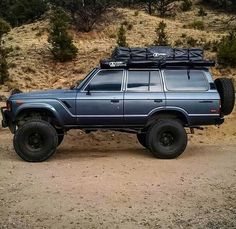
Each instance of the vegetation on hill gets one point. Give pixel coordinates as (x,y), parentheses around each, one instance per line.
(63,48)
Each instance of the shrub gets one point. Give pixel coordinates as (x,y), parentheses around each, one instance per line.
(186,5)
(197,25)
(161,35)
(63,48)
(202,12)
(227,50)
(121,37)
(191,42)
(178,42)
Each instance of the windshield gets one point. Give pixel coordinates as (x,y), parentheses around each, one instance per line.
(79,84)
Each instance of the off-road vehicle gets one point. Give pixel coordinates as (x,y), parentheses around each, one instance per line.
(154,92)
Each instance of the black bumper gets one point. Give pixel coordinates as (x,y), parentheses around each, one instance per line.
(5,118)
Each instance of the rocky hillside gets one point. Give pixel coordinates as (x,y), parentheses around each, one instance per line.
(33,67)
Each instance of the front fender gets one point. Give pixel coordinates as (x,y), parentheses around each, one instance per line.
(38,106)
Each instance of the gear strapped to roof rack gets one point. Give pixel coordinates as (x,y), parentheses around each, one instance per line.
(156,57)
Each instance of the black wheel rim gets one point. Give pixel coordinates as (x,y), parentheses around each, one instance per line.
(35,141)
(167,139)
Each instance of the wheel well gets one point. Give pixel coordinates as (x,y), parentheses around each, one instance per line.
(168,115)
(35,113)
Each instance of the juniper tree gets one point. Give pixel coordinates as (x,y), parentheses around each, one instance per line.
(121,37)
(62,48)
(161,35)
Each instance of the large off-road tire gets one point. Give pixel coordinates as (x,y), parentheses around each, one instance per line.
(60,134)
(35,141)
(226,90)
(142,139)
(167,139)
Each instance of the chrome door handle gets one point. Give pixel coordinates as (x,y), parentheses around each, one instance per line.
(158,100)
(115,101)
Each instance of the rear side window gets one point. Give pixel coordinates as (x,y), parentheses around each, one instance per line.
(180,80)
(144,81)
(107,80)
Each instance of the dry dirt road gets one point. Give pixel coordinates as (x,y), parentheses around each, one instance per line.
(107,180)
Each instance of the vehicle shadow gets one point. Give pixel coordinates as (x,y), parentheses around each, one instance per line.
(64,153)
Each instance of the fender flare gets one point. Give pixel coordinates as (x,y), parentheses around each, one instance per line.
(39,106)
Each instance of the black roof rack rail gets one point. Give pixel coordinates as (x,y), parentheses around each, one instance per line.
(113,64)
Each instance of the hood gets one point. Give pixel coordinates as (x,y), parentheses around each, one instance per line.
(42,94)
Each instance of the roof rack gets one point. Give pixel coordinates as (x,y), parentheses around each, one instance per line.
(156,57)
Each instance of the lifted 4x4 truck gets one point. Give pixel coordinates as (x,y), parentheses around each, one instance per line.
(155,93)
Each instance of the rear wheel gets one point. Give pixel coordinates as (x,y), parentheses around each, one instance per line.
(35,141)
(142,139)
(167,139)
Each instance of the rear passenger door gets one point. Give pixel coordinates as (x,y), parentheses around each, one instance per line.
(143,94)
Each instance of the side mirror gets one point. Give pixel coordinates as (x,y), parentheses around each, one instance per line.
(88,90)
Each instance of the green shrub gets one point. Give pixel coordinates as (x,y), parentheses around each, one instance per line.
(161,35)
(197,25)
(63,48)
(227,50)
(121,37)
(186,5)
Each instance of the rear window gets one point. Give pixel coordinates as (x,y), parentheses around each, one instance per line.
(180,80)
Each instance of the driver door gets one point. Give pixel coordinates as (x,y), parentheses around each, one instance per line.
(101,100)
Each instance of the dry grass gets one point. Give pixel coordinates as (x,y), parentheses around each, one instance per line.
(34,68)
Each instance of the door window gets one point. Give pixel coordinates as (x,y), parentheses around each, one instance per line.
(106,80)
(144,81)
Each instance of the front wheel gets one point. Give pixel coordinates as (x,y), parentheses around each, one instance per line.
(167,139)
(35,141)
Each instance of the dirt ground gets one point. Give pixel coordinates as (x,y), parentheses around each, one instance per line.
(107,180)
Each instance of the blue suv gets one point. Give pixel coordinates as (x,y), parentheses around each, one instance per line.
(157,102)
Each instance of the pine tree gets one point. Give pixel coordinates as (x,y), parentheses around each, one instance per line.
(63,48)
(4,74)
(162,38)
(121,37)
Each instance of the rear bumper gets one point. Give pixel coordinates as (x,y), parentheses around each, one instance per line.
(206,121)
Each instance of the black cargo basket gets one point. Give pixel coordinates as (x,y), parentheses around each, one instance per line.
(156,57)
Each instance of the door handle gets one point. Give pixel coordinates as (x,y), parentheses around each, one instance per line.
(206,101)
(158,100)
(115,101)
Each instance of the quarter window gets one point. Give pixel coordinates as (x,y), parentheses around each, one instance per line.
(181,80)
(110,80)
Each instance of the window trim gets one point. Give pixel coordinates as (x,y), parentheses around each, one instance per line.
(102,70)
(148,91)
(185,91)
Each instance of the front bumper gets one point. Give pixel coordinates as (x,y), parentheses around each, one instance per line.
(5,117)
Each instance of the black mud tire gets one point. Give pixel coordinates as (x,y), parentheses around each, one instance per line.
(167,139)
(142,139)
(35,141)
(226,90)
(61,135)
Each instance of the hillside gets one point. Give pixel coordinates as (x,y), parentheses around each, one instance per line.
(33,67)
